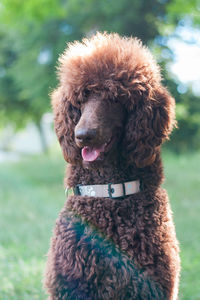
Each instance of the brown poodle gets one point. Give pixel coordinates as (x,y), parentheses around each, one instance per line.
(114,238)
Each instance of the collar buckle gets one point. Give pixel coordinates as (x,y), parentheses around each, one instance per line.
(111,190)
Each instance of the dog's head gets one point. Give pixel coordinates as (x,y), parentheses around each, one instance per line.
(110,100)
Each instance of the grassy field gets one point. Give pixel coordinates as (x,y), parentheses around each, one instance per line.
(31,195)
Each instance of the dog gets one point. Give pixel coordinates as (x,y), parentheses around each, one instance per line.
(115,237)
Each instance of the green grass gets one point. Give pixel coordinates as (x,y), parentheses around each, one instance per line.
(31,195)
(183,185)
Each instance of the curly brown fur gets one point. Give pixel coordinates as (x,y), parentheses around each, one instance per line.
(111,98)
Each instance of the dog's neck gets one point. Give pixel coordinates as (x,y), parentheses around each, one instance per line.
(115,172)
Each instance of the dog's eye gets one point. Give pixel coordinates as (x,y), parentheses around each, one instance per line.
(86,93)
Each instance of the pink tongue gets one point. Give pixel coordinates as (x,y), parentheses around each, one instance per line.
(90,154)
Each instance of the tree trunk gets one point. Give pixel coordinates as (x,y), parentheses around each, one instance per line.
(43,141)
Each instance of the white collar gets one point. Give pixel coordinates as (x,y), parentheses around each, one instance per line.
(109,190)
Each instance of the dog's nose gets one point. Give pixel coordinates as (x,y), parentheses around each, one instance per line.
(85,135)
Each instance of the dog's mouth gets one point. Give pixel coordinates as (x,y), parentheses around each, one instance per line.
(94,153)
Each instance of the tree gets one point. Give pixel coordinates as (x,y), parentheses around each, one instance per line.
(35,32)
(180,10)
(41,30)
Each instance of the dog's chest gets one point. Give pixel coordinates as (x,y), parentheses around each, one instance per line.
(125,222)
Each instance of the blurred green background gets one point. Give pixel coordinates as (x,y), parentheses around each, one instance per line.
(32,35)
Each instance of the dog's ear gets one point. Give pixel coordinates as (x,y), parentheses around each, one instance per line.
(66,116)
(149,123)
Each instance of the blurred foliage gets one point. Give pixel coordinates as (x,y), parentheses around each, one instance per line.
(180,9)
(33,33)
